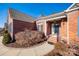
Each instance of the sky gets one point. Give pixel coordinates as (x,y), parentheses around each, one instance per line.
(32,9)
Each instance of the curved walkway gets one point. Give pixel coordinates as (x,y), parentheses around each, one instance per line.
(37,50)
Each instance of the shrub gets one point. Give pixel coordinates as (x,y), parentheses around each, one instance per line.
(59,50)
(29,38)
(6,37)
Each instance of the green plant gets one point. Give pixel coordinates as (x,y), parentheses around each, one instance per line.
(6,37)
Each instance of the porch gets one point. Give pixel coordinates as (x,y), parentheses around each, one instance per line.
(57,29)
(56,26)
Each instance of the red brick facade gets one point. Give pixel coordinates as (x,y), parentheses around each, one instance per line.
(63,28)
(73,24)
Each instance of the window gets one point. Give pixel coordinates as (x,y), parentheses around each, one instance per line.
(55,29)
(40,28)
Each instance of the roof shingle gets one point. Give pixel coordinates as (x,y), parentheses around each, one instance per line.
(20,16)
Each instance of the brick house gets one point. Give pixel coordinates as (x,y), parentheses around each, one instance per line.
(18,21)
(64,25)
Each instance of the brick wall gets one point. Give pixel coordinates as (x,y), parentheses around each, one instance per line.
(73,24)
(63,28)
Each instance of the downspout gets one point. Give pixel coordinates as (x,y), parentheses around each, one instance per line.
(67,29)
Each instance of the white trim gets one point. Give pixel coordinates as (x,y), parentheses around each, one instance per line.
(71,6)
(39,21)
(72,9)
(45,28)
(51,19)
(56,18)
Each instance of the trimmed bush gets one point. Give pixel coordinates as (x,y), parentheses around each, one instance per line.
(6,38)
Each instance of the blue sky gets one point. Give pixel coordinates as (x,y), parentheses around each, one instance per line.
(33,9)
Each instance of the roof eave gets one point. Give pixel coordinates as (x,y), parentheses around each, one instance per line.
(71,6)
(72,9)
(56,18)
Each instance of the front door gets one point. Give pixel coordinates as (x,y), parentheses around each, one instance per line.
(55,29)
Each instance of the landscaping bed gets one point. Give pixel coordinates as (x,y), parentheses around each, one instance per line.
(27,38)
(62,49)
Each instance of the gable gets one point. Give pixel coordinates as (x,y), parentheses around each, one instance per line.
(74,5)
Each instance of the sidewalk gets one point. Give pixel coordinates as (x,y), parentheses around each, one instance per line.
(37,50)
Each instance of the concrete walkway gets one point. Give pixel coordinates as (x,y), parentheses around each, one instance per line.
(37,50)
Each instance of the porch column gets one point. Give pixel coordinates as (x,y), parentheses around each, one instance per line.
(45,28)
(67,30)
